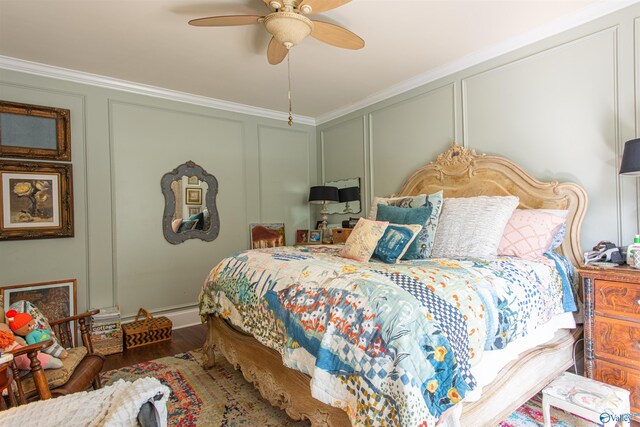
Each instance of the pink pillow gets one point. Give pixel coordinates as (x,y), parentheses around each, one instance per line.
(529,233)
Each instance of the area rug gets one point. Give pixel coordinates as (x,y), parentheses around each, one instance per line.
(222,397)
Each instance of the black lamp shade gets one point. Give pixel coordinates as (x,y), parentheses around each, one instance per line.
(631,158)
(349,194)
(323,193)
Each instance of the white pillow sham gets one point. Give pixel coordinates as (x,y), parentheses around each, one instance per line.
(472,226)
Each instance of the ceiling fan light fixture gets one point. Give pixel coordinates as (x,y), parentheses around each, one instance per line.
(288,27)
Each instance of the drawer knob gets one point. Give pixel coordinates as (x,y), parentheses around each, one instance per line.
(638,301)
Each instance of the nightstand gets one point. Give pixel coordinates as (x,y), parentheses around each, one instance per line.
(612,328)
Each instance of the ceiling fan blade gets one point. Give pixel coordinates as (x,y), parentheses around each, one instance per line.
(276,52)
(336,35)
(319,6)
(225,21)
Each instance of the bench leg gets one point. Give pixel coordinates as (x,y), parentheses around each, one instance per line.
(546,411)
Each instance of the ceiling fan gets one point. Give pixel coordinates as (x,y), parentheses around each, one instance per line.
(288,25)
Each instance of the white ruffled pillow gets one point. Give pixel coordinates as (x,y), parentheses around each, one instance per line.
(472,226)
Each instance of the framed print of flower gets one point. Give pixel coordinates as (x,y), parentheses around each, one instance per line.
(36,200)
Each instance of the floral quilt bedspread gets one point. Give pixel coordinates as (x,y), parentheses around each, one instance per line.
(389,344)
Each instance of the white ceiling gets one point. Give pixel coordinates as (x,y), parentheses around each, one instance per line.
(149,42)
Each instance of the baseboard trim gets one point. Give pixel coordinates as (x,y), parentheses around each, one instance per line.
(180,318)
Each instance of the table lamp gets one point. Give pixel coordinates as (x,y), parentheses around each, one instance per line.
(630,164)
(349,194)
(321,195)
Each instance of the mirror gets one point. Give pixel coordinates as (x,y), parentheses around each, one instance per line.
(190,210)
(352,203)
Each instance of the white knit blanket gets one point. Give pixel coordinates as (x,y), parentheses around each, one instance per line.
(114,406)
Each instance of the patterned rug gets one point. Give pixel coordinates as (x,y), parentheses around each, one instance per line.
(222,397)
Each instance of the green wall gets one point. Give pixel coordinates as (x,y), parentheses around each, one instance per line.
(562,108)
(122,144)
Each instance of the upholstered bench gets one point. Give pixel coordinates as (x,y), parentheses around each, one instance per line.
(593,400)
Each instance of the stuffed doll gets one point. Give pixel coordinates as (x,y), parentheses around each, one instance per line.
(22,324)
(9,342)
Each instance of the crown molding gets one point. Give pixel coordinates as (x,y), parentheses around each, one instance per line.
(15,64)
(555,27)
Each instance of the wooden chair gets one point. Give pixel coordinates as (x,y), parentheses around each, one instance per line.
(81,368)
(12,382)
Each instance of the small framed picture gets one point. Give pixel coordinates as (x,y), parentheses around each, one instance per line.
(267,235)
(194,196)
(194,211)
(36,200)
(315,236)
(193,180)
(319,225)
(34,132)
(302,236)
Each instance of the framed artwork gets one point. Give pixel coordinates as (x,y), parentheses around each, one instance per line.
(34,132)
(315,236)
(56,300)
(319,225)
(267,235)
(302,236)
(194,196)
(36,200)
(193,180)
(194,211)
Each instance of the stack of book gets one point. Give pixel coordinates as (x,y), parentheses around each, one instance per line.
(106,331)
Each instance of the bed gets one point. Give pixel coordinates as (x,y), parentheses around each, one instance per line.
(459,172)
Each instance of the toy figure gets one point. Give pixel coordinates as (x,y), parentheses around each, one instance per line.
(24,325)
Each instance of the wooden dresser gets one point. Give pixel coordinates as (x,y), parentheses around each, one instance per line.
(612,328)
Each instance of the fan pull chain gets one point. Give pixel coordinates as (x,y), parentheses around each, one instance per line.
(289,93)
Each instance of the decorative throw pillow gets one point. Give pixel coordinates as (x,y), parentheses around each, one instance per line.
(472,226)
(199,217)
(400,202)
(41,322)
(363,239)
(425,239)
(396,240)
(395,215)
(529,233)
(558,238)
(187,224)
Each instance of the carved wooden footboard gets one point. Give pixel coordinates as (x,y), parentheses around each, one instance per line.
(290,390)
(261,366)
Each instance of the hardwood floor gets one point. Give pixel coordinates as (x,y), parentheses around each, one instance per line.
(182,340)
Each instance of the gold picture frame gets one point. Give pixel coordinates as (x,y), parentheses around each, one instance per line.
(34,132)
(193,196)
(36,200)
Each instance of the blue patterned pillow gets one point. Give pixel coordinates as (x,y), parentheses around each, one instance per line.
(395,242)
(200,218)
(406,216)
(187,224)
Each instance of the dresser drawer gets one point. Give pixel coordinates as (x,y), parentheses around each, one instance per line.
(617,340)
(618,298)
(628,379)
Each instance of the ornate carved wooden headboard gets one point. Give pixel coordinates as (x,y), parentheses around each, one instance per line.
(463,173)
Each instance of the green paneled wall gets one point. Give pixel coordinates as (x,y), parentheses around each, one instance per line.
(562,108)
(122,144)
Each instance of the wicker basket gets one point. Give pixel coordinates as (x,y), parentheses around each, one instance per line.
(149,330)
(109,345)
(340,235)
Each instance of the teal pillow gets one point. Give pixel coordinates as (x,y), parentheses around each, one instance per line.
(200,218)
(187,224)
(395,242)
(396,215)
